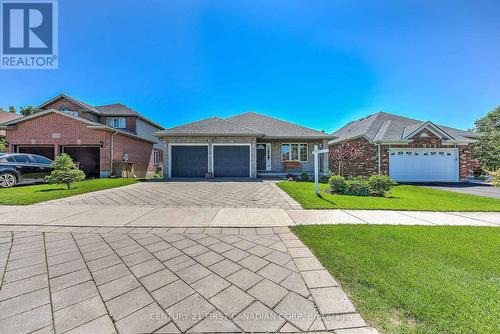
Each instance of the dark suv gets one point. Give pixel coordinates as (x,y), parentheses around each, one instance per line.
(20,168)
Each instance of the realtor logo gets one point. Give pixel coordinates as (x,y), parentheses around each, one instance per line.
(29,34)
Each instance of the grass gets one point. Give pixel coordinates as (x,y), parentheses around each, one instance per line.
(402,197)
(25,195)
(415,279)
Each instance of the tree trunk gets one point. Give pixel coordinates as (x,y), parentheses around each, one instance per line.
(68,185)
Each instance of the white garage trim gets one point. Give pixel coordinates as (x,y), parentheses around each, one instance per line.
(181,144)
(233,144)
(424,164)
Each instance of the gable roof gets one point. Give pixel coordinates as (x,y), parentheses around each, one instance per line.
(90,124)
(115,109)
(385,127)
(272,127)
(8,116)
(246,125)
(214,126)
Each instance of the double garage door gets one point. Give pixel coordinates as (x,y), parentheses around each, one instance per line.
(424,165)
(87,158)
(194,160)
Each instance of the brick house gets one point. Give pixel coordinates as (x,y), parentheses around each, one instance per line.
(101,139)
(406,149)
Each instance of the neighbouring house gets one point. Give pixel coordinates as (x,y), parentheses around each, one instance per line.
(408,150)
(103,140)
(6,117)
(246,145)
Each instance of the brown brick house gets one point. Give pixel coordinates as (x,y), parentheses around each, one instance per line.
(101,139)
(406,149)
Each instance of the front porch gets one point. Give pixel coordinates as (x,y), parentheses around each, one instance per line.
(277,159)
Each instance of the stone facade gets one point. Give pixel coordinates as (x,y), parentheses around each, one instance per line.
(307,167)
(58,130)
(367,164)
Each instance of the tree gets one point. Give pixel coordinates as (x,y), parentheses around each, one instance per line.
(64,171)
(12,109)
(26,111)
(345,152)
(487,148)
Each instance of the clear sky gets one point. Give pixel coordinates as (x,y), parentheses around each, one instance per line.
(317,63)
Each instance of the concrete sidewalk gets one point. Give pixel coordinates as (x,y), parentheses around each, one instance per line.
(132,216)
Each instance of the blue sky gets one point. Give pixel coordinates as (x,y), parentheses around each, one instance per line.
(317,63)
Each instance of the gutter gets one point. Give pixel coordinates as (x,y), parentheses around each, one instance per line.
(111,157)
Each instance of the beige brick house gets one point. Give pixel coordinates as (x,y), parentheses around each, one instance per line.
(246,145)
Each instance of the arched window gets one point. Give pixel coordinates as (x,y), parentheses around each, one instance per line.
(65,108)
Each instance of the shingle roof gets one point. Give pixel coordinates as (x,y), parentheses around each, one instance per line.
(248,124)
(115,109)
(8,116)
(387,127)
(214,126)
(275,128)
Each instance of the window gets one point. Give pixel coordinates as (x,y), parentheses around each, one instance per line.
(22,158)
(41,160)
(285,152)
(116,122)
(7,159)
(156,156)
(294,152)
(67,109)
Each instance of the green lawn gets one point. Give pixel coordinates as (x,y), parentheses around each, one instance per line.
(24,195)
(415,279)
(402,197)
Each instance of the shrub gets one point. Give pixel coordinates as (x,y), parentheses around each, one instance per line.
(496,178)
(337,184)
(357,187)
(64,171)
(380,185)
(304,177)
(324,179)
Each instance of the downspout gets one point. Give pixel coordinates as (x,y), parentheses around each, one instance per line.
(378,158)
(111,157)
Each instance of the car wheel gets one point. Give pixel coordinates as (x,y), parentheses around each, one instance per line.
(7,180)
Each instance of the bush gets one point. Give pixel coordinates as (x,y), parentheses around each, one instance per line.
(64,171)
(304,177)
(380,185)
(337,184)
(496,178)
(357,187)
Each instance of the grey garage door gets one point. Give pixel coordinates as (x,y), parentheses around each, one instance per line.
(189,161)
(231,161)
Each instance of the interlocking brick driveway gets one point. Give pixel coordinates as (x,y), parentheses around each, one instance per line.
(252,194)
(145,280)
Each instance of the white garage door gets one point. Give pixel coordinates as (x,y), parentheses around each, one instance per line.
(424,165)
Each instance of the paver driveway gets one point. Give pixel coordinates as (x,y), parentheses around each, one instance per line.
(125,280)
(250,194)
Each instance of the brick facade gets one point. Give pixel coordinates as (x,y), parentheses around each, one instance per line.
(364,165)
(58,130)
(367,164)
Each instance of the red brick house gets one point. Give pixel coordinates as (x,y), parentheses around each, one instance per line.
(101,139)
(6,117)
(406,149)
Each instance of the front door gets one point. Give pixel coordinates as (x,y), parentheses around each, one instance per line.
(263,156)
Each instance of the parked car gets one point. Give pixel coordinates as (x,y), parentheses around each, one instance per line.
(19,168)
